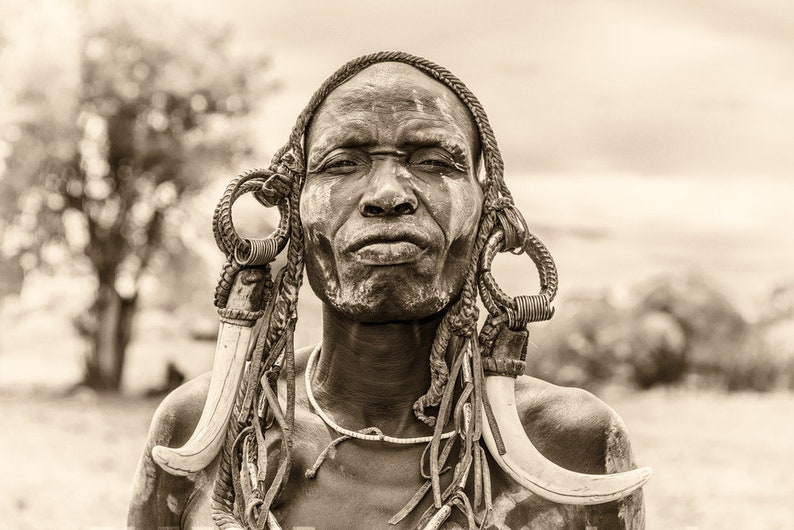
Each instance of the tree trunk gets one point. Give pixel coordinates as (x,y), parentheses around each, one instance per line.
(109,338)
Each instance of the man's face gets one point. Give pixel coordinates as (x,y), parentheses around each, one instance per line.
(391,201)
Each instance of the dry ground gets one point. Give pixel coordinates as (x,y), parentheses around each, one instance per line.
(720,461)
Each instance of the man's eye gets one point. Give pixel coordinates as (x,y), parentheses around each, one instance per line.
(435,159)
(434,162)
(438,165)
(341,165)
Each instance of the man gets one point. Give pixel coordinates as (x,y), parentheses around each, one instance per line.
(383,197)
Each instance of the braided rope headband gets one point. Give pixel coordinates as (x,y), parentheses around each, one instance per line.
(243,414)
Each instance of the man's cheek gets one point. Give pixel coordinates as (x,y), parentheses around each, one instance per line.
(465,208)
(315,204)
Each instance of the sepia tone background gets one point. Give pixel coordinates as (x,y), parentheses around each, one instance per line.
(648,145)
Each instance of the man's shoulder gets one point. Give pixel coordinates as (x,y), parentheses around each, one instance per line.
(158,498)
(572,427)
(179,412)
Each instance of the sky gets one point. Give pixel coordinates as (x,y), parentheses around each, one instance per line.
(696,88)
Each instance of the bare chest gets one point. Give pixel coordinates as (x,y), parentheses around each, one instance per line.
(364,484)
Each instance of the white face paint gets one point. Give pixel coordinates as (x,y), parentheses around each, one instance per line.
(173,504)
(320,199)
(391,201)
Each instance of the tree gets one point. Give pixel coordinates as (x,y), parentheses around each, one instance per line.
(146,105)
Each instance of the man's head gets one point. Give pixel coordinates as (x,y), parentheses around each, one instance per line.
(391,201)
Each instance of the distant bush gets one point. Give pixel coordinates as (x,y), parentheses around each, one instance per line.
(656,349)
(772,350)
(754,370)
(780,305)
(679,328)
(592,342)
(580,346)
(713,327)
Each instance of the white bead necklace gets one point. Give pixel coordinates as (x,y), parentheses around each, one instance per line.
(378,437)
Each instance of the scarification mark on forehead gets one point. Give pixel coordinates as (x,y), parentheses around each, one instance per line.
(417,100)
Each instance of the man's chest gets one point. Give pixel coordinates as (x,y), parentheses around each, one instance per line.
(364,484)
(319,509)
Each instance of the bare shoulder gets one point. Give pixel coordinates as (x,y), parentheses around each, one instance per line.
(158,499)
(179,412)
(578,431)
(573,427)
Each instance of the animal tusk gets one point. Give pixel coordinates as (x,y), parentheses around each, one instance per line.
(207,439)
(234,339)
(527,466)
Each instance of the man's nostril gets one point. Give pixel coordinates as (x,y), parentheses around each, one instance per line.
(404,208)
(372,210)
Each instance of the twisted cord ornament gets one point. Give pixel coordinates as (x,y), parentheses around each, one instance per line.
(522,309)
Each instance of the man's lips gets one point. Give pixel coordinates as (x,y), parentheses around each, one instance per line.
(392,253)
(395,235)
(389,247)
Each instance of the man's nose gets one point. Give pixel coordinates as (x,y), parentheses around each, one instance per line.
(388,191)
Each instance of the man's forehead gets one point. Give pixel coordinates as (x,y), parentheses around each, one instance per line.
(393,88)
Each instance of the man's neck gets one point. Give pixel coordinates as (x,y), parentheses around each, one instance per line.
(369,375)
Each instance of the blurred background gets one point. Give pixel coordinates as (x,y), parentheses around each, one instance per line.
(648,144)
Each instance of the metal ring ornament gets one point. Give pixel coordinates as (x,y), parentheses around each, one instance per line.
(259,251)
(519,311)
(248,251)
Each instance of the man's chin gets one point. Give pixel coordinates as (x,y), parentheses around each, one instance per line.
(382,309)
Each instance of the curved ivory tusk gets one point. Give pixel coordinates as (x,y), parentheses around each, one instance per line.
(207,439)
(239,314)
(527,466)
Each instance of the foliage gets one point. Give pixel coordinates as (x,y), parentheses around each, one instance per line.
(98,158)
(595,342)
(768,361)
(653,348)
(713,327)
(569,350)
(679,328)
(131,114)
